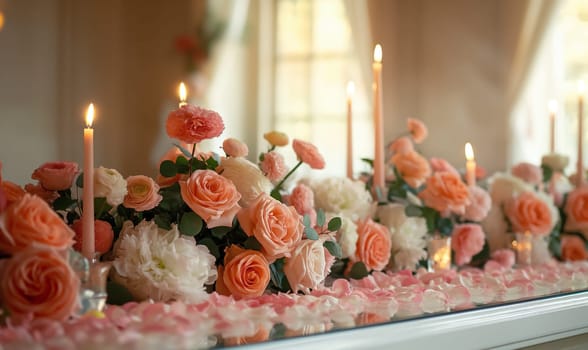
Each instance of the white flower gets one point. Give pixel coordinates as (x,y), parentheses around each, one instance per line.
(391,215)
(247,177)
(110,184)
(347,237)
(495,227)
(407,259)
(306,268)
(411,234)
(342,196)
(504,186)
(557,162)
(162,265)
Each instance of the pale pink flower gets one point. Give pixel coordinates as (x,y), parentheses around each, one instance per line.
(401,145)
(273,166)
(467,240)
(308,153)
(193,124)
(235,148)
(302,198)
(142,193)
(417,129)
(440,164)
(306,267)
(56,176)
(504,257)
(480,203)
(528,172)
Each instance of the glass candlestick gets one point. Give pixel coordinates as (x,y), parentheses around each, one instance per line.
(439,250)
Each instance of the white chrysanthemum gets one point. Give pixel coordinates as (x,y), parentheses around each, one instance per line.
(412,234)
(495,227)
(162,265)
(557,162)
(247,177)
(110,184)
(504,186)
(391,215)
(347,237)
(342,196)
(408,259)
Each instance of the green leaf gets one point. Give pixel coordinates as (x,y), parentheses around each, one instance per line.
(190,224)
(445,226)
(100,207)
(397,190)
(197,164)
(278,331)
(368,161)
(212,247)
(252,243)
(187,153)
(277,275)
(547,173)
(358,271)
(306,220)
(162,221)
(334,224)
(182,165)
(320,218)
(80,180)
(168,168)
(220,231)
(212,163)
(333,248)
(413,210)
(276,194)
(117,294)
(64,203)
(431,216)
(311,233)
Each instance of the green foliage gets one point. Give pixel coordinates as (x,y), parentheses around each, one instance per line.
(117,294)
(547,173)
(334,224)
(182,165)
(190,224)
(480,259)
(413,211)
(80,180)
(333,248)
(64,203)
(211,245)
(358,271)
(368,161)
(275,193)
(220,231)
(252,243)
(309,231)
(320,218)
(278,278)
(168,168)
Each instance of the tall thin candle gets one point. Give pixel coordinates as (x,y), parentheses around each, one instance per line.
(552,114)
(88,192)
(580,164)
(183,93)
(379,170)
(470,165)
(350,92)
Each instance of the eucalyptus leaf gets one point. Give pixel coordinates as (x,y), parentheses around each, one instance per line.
(276,194)
(311,233)
(80,180)
(168,168)
(252,243)
(413,210)
(368,161)
(320,218)
(212,247)
(547,173)
(64,203)
(358,271)
(220,231)
(184,151)
(334,224)
(306,220)
(162,221)
(445,226)
(333,248)
(190,224)
(182,165)
(117,294)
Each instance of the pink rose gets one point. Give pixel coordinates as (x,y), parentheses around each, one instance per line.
(273,166)
(211,196)
(417,130)
(480,203)
(527,212)
(103,235)
(374,245)
(56,176)
(277,227)
(39,283)
(440,164)
(302,198)
(528,172)
(576,209)
(446,193)
(504,257)
(142,193)
(401,145)
(306,268)
(38,190)
(308,153)
(193,124)
(235,148)
(467,240)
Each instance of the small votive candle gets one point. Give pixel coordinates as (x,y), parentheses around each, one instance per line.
(439,253)
(523,246)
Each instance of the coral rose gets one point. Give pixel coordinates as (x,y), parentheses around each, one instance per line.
(373,245)
(412,167)
(276,138)
(302,198)
(440,164)
(467,240)
(38,190)
(308,153)
(573,248)
(576,209)
(528,172)
(12,192)
(142,193)
(446,193)
(192,124)
(247,177)
(109,184)
(32,222)
(103,235)
(307,268)
(56,176)
(235,148)
(39,283)
(277,227)
(480,203)
(273,166)
(211,196)
(401,145)
(418,130)
(246,273)
(528,212)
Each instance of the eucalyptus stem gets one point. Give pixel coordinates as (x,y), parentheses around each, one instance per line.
(279,185)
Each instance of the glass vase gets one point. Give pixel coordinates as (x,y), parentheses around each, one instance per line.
(439,250)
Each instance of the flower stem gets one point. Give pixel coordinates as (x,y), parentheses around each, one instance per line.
(279,185)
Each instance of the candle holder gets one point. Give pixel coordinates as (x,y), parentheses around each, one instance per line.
(93,276)
(523,246)
(439,250)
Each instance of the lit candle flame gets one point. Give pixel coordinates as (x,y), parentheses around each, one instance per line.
(469,151)
(581,87)
(552,106)
(350,89)
(183,92)
(378,53)
(1,20)
(90,115)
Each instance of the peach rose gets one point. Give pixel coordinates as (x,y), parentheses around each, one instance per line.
(192,124)
(276,138)
(440,164)
(273,166)
(308,153)
(211,196)
(418,130)
(412,167)
(528,212)
(235,148)
(142,193)
(306,269)
(31,221)
(446,193)
(12,191)
(277,227)
(573,248)
(576,209)
(480,203)
(56,176)
(302,198)
(38,190)
(246,273)
(528,172)
(39,283)
(401,145)
(374,244)
(103,235)
(467,240)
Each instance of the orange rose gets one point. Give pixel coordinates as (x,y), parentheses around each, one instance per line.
(527,212)
(142,193)
(374,245)
(39,282)
(103,235)
(12,191)
(56,176)
(573,248)
(211,196)
(576,209)
(31,221)
(38,190)
(246,273)
(446,193)
(413,167)
(277,227)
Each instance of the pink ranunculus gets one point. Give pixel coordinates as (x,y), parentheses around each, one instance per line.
(103,235)
(193,124)
(440,164)
(305,269)
(528,212)
(302,198)
(467,240)
(528,172)
(308,153)
(446,193)
(504,257)
(480,203)
(374,245)
(40,283)
(211,196)
(401,145)
(38,190)
(273,166)
(418,130)
(142,193)
(56,176)
(235,148)
(576,209)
